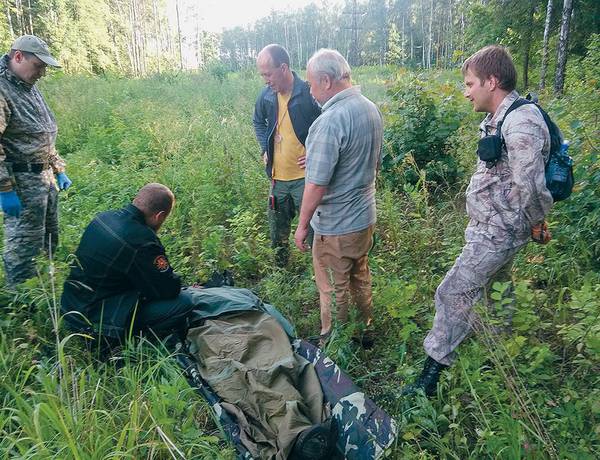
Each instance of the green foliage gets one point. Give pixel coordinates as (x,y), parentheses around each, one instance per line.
(395,50)
(218,71)
(577,116)
(420,120)
(249,252)
(519,393)
(583,331)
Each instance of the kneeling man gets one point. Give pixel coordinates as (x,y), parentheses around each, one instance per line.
(121,280)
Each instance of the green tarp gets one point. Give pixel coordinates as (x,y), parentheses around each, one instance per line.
(246,358)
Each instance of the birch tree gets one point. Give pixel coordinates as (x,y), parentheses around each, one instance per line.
(545,45)
(563,41)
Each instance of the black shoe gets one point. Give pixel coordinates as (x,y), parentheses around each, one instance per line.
(319,341)
(366,339)
(427,381)
(219,279)
(316,442)
(282,257)
(228,278)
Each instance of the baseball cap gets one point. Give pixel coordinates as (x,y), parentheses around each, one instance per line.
(37,46)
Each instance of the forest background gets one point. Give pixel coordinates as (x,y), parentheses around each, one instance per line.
(148,94)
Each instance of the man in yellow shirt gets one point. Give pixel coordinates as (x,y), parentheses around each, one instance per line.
(284,112)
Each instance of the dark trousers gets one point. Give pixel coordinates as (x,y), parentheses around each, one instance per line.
(157,318)
(285,202)
(164,317)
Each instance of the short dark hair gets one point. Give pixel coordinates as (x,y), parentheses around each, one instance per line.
(153,198)
(493,60)
(27,54)
(278,53)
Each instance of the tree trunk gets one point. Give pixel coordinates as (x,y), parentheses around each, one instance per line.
(422,35)
(430,38)
(134,48)
(130,48)
(29,17)
(199,42)
(113,35)
(298,47)
(561,60)
(141,30)
(527,43)
(462,32)
(179,35)
(545,46)
(385,36)
(9,20)
(403,41)
(158,34)
(19,14)
(451,50)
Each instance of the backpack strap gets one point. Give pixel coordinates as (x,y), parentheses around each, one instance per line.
(553,130)
(515,105)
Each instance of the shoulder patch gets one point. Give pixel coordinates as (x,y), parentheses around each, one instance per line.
(161,263)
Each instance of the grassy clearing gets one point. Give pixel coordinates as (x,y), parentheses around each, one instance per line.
(531,394)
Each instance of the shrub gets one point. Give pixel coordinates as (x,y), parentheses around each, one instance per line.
(419,120)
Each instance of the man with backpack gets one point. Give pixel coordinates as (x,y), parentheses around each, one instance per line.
(507,201)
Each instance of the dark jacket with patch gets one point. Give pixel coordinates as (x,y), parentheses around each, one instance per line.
(302,109)
(120,263)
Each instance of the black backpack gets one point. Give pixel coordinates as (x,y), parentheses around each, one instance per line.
(559,167)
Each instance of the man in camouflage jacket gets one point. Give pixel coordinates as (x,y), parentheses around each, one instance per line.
(28,159)
(506,203)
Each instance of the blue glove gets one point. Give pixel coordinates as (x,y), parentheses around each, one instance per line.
(63,181)
(11,205)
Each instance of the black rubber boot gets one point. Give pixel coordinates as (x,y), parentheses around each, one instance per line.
(427,381)
(316,442)
(282,256)
(366,339)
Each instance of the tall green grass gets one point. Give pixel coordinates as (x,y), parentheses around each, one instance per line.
(532,393)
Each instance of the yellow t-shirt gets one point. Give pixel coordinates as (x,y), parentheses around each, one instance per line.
(287,146)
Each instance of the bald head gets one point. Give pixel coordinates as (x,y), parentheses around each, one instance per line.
(277,55)
(155,201)
(273,64)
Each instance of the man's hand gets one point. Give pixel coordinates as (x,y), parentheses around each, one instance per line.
(63,181)
(11,205)
(300,238)
(312,196)
(265,158)
(302,162)
(540,233)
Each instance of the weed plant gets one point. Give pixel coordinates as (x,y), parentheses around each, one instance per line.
(528,392)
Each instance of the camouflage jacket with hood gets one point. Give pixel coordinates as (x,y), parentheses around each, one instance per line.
(512,195)
(27,126)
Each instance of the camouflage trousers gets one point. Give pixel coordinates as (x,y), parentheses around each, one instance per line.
(487,253)
(35,229)
(285,201)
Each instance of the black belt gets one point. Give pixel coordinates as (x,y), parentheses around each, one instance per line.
(29,167)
